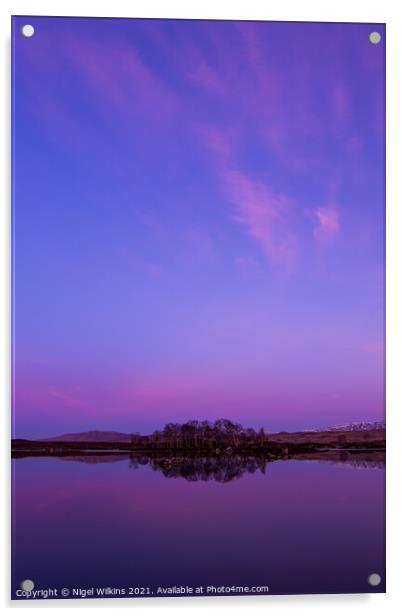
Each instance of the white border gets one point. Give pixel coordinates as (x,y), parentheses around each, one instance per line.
(379,11)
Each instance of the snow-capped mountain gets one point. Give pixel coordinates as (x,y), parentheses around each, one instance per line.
(358,426)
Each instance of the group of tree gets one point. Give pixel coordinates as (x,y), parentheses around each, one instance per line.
(201,436)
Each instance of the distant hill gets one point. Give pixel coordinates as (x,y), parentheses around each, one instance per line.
(100,436)
(92,436)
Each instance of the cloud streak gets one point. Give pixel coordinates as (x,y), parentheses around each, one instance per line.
(260,211)
(327,223)
(121,79)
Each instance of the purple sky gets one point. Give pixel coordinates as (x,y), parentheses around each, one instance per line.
(198,224)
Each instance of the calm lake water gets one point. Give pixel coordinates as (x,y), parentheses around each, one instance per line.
(295,526)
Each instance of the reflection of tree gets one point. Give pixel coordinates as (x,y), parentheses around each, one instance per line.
(222,468)
(227,466)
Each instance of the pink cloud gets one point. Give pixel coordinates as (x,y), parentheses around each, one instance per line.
(265,98)
(262,212)
(201,73)
(220,144)
(327,223)
(123,80)
(123,85)
(190,62)
(206,77)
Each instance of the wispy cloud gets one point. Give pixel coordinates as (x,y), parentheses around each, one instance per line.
(262,212)
(201,73)
(123,80)
(327,223)
(113,81)
(66,396)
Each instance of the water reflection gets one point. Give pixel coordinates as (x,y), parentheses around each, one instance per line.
(225,468)
(308,525)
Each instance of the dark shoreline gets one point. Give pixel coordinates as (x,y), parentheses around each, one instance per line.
(280,445)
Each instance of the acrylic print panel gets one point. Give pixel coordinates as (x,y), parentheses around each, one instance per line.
(198,283)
